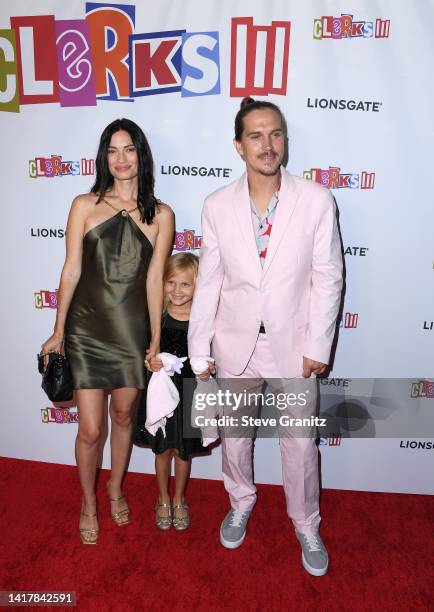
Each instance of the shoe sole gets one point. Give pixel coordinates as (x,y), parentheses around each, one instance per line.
(230,543)
(313,571)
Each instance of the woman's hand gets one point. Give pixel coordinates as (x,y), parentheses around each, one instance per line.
(151,361)
(154,364)
(54,344)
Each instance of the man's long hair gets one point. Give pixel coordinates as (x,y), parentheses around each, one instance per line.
(146,201)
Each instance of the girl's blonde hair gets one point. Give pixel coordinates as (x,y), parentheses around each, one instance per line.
(180,262)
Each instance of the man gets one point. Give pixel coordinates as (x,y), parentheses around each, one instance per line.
(266,301)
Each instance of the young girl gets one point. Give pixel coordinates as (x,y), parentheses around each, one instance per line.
(179,279)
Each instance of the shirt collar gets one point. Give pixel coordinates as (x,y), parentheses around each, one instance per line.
(271,206)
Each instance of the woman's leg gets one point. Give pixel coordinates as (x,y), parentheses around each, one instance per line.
(90,405)
(122,406)
(162,471)
(182,472)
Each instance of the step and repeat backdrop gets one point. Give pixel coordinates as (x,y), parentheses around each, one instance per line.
(354,81)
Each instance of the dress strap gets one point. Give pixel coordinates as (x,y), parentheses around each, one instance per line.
(124,211)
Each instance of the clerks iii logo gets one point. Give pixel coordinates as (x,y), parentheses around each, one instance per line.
(333,178)
(331,440)
(350,320)
(77,62)
(346,26)
(341,104)
(59,415)
(187,241)
(422,388)
(45,299)
(55,166)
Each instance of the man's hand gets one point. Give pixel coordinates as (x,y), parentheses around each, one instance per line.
(312,367)
(204,376)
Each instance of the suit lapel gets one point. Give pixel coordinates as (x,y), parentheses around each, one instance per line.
(285,208)
(243,215)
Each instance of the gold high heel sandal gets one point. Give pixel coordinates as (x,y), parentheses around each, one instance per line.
(163,522)
(180,522)
(88,535)
(123,516)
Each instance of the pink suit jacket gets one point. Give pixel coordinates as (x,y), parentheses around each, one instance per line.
(297,292)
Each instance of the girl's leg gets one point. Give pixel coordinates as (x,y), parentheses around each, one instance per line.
(122,406)
(182,472)
(90,405)
(162,471)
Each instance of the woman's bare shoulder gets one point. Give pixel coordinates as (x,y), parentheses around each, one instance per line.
(163,212)
(85,200)
(84,203)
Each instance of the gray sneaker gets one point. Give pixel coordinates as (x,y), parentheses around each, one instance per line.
(233,528)
(314,554)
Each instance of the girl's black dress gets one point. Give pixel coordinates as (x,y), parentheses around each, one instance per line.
(173,340)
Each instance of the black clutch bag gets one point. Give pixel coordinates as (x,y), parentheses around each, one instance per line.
(56,377)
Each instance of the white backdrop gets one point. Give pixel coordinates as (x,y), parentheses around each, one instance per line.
(359,101)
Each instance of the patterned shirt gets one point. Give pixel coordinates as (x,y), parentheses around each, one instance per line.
(262,225)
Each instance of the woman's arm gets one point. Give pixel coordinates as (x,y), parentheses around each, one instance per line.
(154,281)
(71,270)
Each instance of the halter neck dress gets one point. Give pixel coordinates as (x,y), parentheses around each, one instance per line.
(107,324)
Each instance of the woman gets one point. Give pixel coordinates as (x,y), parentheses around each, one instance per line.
(117,241)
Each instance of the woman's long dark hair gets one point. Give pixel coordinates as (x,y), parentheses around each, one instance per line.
(146,201)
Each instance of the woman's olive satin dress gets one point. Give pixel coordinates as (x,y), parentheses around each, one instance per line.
(107,323)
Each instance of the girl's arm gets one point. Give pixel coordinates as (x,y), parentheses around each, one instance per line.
(71,270)
(154,281)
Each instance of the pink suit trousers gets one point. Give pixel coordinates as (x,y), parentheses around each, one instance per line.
(299,457)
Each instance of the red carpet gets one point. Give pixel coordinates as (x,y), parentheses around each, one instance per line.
(380,545)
